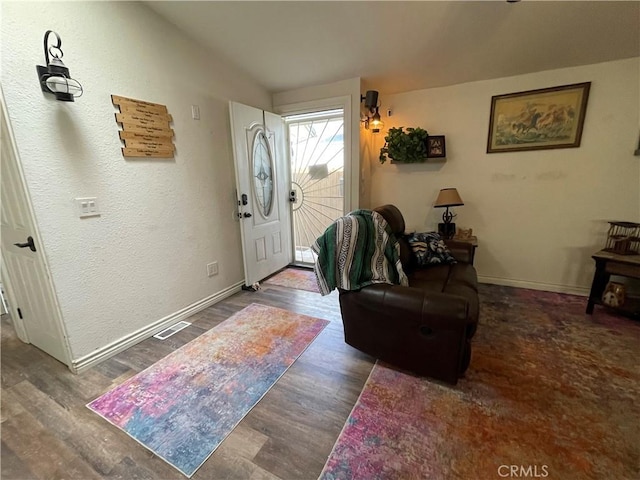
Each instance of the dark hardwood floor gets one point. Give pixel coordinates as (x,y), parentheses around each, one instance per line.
(48,433)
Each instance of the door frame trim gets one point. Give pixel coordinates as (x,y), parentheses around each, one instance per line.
(56,314)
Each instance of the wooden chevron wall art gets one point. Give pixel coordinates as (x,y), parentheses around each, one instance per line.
(146,129)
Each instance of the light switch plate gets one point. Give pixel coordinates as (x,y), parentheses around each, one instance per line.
(212,269)
(195,112)
(87,207)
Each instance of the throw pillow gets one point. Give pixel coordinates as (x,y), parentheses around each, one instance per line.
(429,249)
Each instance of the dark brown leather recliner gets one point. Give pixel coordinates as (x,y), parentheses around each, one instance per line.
(426,327)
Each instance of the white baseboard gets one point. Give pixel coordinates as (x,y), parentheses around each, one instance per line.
(547,287)
(83,363)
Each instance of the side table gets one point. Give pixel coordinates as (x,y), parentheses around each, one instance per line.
(608,264)
(473,241)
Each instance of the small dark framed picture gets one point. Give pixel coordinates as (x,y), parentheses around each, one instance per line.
(436,147)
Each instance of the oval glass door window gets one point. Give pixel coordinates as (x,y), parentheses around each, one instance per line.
(263,173)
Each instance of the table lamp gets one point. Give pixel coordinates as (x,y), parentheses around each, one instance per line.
(448,197)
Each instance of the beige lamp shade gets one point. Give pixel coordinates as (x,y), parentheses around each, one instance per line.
(448,197)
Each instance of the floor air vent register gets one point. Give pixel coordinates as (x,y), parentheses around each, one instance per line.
(173,329)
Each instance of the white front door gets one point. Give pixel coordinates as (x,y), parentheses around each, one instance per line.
(262,180)
(24,273)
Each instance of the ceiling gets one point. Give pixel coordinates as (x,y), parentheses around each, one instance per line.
(399,46)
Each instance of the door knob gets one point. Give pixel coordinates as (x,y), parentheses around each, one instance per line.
(246,215)
(29,243)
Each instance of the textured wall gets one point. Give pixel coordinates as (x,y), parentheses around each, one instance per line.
(538,215)
(162,220)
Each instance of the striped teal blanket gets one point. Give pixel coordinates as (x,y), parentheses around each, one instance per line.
(355,251)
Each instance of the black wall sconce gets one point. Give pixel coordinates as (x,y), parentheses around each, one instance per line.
(373,122)
(55,77)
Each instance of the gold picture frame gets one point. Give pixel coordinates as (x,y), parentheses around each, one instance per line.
(538,119)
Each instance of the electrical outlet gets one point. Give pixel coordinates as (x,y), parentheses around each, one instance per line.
(212,269)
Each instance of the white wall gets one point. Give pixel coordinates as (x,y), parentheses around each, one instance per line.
(300,98)
(162,220)
(538,215)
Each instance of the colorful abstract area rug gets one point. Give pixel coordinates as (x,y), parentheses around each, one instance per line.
(295,278)
(550,393)
(182,407)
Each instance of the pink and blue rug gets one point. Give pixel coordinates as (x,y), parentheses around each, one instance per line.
(550,393)
(298,278)
(182,407)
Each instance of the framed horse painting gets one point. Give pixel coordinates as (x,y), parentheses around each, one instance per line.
(538,119)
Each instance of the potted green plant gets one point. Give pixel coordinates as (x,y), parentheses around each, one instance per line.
(405,147)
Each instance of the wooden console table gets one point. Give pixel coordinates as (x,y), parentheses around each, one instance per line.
(608,264)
